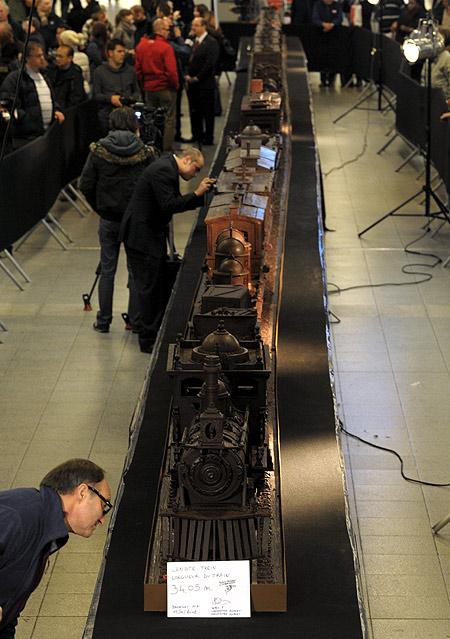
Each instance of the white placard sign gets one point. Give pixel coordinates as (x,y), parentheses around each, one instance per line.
(208,589)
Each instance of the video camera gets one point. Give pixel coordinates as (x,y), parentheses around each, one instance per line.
(151,123)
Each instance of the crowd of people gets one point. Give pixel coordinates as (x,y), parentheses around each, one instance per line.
(152,52)
(141,64)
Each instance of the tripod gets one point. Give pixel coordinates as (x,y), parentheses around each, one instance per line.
(375,87)
(443,213)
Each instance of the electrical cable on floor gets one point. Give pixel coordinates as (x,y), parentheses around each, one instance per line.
(426,277)
(393,452)
(356,158)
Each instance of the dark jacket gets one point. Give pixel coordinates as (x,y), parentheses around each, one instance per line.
(96,55)
(8,59)
(155,199)
(48,28)
(111,171)
(29,116)
(326,13)
(32,527)
(202,64)
(408,18)
(68,85)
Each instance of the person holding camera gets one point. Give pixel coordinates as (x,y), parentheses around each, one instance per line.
(156,198)
(115,83)
(107,181)
(157,71)
(73,498)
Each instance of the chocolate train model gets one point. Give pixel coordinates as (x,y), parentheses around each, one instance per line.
(219,494)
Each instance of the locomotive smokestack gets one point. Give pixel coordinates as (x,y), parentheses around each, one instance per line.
(212,368)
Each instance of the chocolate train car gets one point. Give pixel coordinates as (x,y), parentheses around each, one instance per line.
(217,498)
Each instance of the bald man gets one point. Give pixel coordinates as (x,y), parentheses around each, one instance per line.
(156,68)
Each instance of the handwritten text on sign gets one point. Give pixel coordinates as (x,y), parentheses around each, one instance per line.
(208,589)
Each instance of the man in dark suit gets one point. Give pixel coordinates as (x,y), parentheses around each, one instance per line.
(201,83)
(155,199)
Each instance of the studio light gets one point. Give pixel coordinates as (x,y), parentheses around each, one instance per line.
(424,43)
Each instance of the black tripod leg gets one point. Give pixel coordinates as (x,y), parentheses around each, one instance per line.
(87,296)
(410,199)
(355,106)
(444,210)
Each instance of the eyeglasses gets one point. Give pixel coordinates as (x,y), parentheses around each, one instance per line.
(108,505)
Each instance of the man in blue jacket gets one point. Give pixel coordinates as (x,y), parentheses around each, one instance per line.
(73,498)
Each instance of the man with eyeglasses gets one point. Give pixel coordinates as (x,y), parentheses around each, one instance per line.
(36,107)
(72,498)
(155,199)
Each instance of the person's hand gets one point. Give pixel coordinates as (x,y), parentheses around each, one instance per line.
(115,101)
(204,186)
(327,26)
(176,15)
(59,116)
(177,32)
(445,116)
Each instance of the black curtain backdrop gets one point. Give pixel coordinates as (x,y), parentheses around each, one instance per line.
(32,177)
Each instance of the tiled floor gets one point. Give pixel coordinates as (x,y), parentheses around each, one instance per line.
(392,351)
(66,391)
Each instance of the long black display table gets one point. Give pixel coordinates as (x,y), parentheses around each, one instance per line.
(322,600)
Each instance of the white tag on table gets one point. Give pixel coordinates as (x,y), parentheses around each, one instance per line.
(208,589)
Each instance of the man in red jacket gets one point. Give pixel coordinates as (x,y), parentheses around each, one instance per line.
(156,68)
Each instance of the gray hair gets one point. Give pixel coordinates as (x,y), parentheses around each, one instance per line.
(70,474)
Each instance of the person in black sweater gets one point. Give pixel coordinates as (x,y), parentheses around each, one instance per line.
(113,81)
(107,181)
(144,230)
(66,78)
(200,82)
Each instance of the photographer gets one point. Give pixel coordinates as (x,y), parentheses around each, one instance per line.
(115,83)
(108,178)
(155,199)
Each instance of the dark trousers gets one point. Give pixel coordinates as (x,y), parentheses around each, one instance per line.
(108,234)
(149,278)
(201,110)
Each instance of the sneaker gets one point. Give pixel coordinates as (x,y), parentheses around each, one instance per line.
(100,328)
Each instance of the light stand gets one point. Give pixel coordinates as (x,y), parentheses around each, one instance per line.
(378,89)
(424,44)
